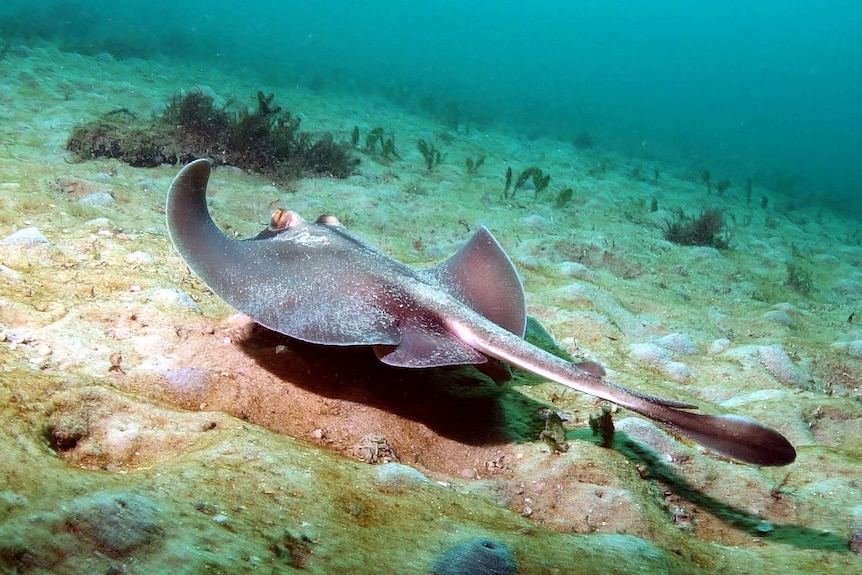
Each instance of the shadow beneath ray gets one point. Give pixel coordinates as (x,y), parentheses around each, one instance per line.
(457,402)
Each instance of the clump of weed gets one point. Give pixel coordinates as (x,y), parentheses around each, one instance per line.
(430,153)
(564,197)
(376,143)
(708,229)
(534,173)
(474,165)
(508,181)
(265,139)
(799,279)
(706,179)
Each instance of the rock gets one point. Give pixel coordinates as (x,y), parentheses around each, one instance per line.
(527,261)
(576,270)
(77,188)
(9,273)
(392,476)
(480,556)
(645,432)
(718,346)
(850,348)
(650,355)
(26,238)
(171,297)
(97,224)
(677,371)
(780,317)
(572,293)
(678,344)
(97,200)
(190,383)
(139,258)
(535,223)
(659,358)
(776,361)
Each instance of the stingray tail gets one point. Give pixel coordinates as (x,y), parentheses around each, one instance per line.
(738,437)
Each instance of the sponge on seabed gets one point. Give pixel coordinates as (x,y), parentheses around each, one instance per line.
(481,556)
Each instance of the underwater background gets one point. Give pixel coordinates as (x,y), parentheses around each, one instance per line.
(676,184)
(767,91)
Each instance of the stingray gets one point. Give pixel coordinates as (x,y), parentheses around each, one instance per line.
(317,282)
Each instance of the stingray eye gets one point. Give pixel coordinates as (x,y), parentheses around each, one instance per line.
(327,220)
(283,219)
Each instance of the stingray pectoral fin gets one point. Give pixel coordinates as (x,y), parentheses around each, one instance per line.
(216,258)
(481,276)
(422,347)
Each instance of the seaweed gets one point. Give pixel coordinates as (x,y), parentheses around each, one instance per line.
(430,153)
(387,148)
(265,140)
(197,113)
(540,180)
(564,197)
(603,426)
(583,141)
(799,279)
(508,182)
(706,179)
(117,135)
(377,137)
(474,165)
(704,230)
(330,158)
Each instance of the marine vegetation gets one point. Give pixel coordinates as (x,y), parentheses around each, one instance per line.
(474,165)
(583,141)
(706,179)
(799,278)
(534,173)
(264,140)
(564,197)
(430,153)
(376,143)
(722,186)
(603,426)
(708,229)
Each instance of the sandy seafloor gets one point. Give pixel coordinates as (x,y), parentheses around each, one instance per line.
(147,428)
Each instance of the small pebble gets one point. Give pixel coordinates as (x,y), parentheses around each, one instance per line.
(221,518)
